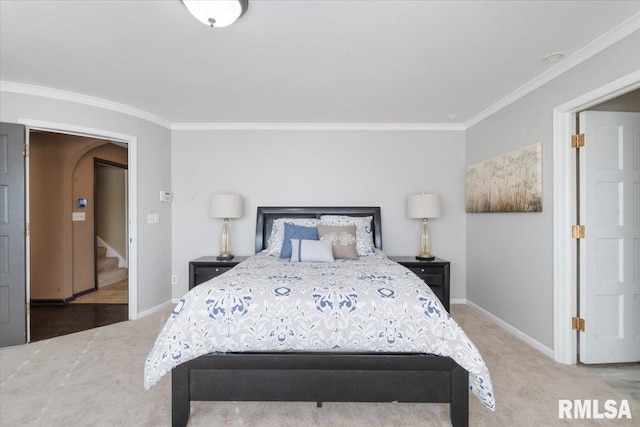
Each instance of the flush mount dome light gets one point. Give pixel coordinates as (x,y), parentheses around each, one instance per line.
(553,57)
(217,13)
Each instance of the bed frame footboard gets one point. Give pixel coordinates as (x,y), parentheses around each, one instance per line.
(321,377)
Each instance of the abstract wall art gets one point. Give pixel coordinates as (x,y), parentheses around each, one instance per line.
(511,182)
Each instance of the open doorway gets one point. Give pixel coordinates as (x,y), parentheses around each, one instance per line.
(564,211)
(110,234)
(614,95)
(62,204)
(608,204)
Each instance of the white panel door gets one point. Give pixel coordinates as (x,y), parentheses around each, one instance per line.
(610,253)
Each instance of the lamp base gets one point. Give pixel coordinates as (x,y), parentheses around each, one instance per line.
(224,257)
(425,258)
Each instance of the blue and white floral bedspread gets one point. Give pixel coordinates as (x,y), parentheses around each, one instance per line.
(269,304)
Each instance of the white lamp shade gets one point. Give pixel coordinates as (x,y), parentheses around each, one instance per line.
(424,205)
(225,206)
(216,13)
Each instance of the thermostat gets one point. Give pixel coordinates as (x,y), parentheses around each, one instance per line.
(165,196)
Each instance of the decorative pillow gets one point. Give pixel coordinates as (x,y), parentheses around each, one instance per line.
(364,236)
(292,231)
(311,250)
(276,239)
(342,238)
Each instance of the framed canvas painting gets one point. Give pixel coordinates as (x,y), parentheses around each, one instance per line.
(511,182)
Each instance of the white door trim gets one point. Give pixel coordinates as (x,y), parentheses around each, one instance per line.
(132,143)
(27,243)
(564,247)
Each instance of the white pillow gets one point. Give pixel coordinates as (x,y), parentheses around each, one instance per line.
(364,236)
(274,244)
(311,250)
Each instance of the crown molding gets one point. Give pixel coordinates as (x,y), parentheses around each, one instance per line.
(609,38)
(599,44)
(27,89)
(321,126)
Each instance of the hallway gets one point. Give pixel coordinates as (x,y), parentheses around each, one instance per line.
(48,321)
(103,307)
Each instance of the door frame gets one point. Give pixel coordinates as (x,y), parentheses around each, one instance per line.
(564,212)
(132,149)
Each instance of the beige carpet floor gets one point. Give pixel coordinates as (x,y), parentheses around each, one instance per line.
(94,378)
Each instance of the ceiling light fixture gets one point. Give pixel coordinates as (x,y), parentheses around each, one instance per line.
(217,13)
(553,57)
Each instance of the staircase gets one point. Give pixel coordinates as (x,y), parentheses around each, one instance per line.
(108,270)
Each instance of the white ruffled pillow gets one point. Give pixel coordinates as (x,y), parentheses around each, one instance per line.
(274,244)
(311,250)
(364,236)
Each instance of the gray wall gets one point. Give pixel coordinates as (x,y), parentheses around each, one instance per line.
(154,174)
(501,262)
(510,256)
(627,103)
(325,168)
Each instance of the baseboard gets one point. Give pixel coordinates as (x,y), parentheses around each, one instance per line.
(513,331)
(85,292)
(458,301)
(155,309)
(51,301)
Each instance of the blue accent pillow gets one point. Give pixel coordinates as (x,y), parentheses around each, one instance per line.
(292,231)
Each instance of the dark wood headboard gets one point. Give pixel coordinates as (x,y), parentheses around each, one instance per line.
(266,215)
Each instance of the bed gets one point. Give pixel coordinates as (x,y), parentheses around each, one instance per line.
(315,373)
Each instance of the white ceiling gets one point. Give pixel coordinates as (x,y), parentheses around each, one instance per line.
(299,61)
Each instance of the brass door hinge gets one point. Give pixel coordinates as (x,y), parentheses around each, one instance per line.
(577,324)
(25,150)
(27,229)
(27,309)
(577,141)
(578,231)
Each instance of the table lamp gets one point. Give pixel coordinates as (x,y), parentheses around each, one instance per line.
(425,206)
(225,206)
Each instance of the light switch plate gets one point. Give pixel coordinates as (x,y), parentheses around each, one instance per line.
(78,216)
(166,196)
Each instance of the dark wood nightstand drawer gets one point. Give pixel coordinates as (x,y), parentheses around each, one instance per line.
(205,273)
(432,277)
(435,280)
(208,267)
(434,273)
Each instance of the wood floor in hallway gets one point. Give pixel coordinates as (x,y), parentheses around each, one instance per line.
(48,321)
(103,307)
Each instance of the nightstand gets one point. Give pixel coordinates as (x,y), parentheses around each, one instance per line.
(208,267)
(434,273)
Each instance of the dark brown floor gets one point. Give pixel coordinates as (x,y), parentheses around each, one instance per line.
(48,321)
